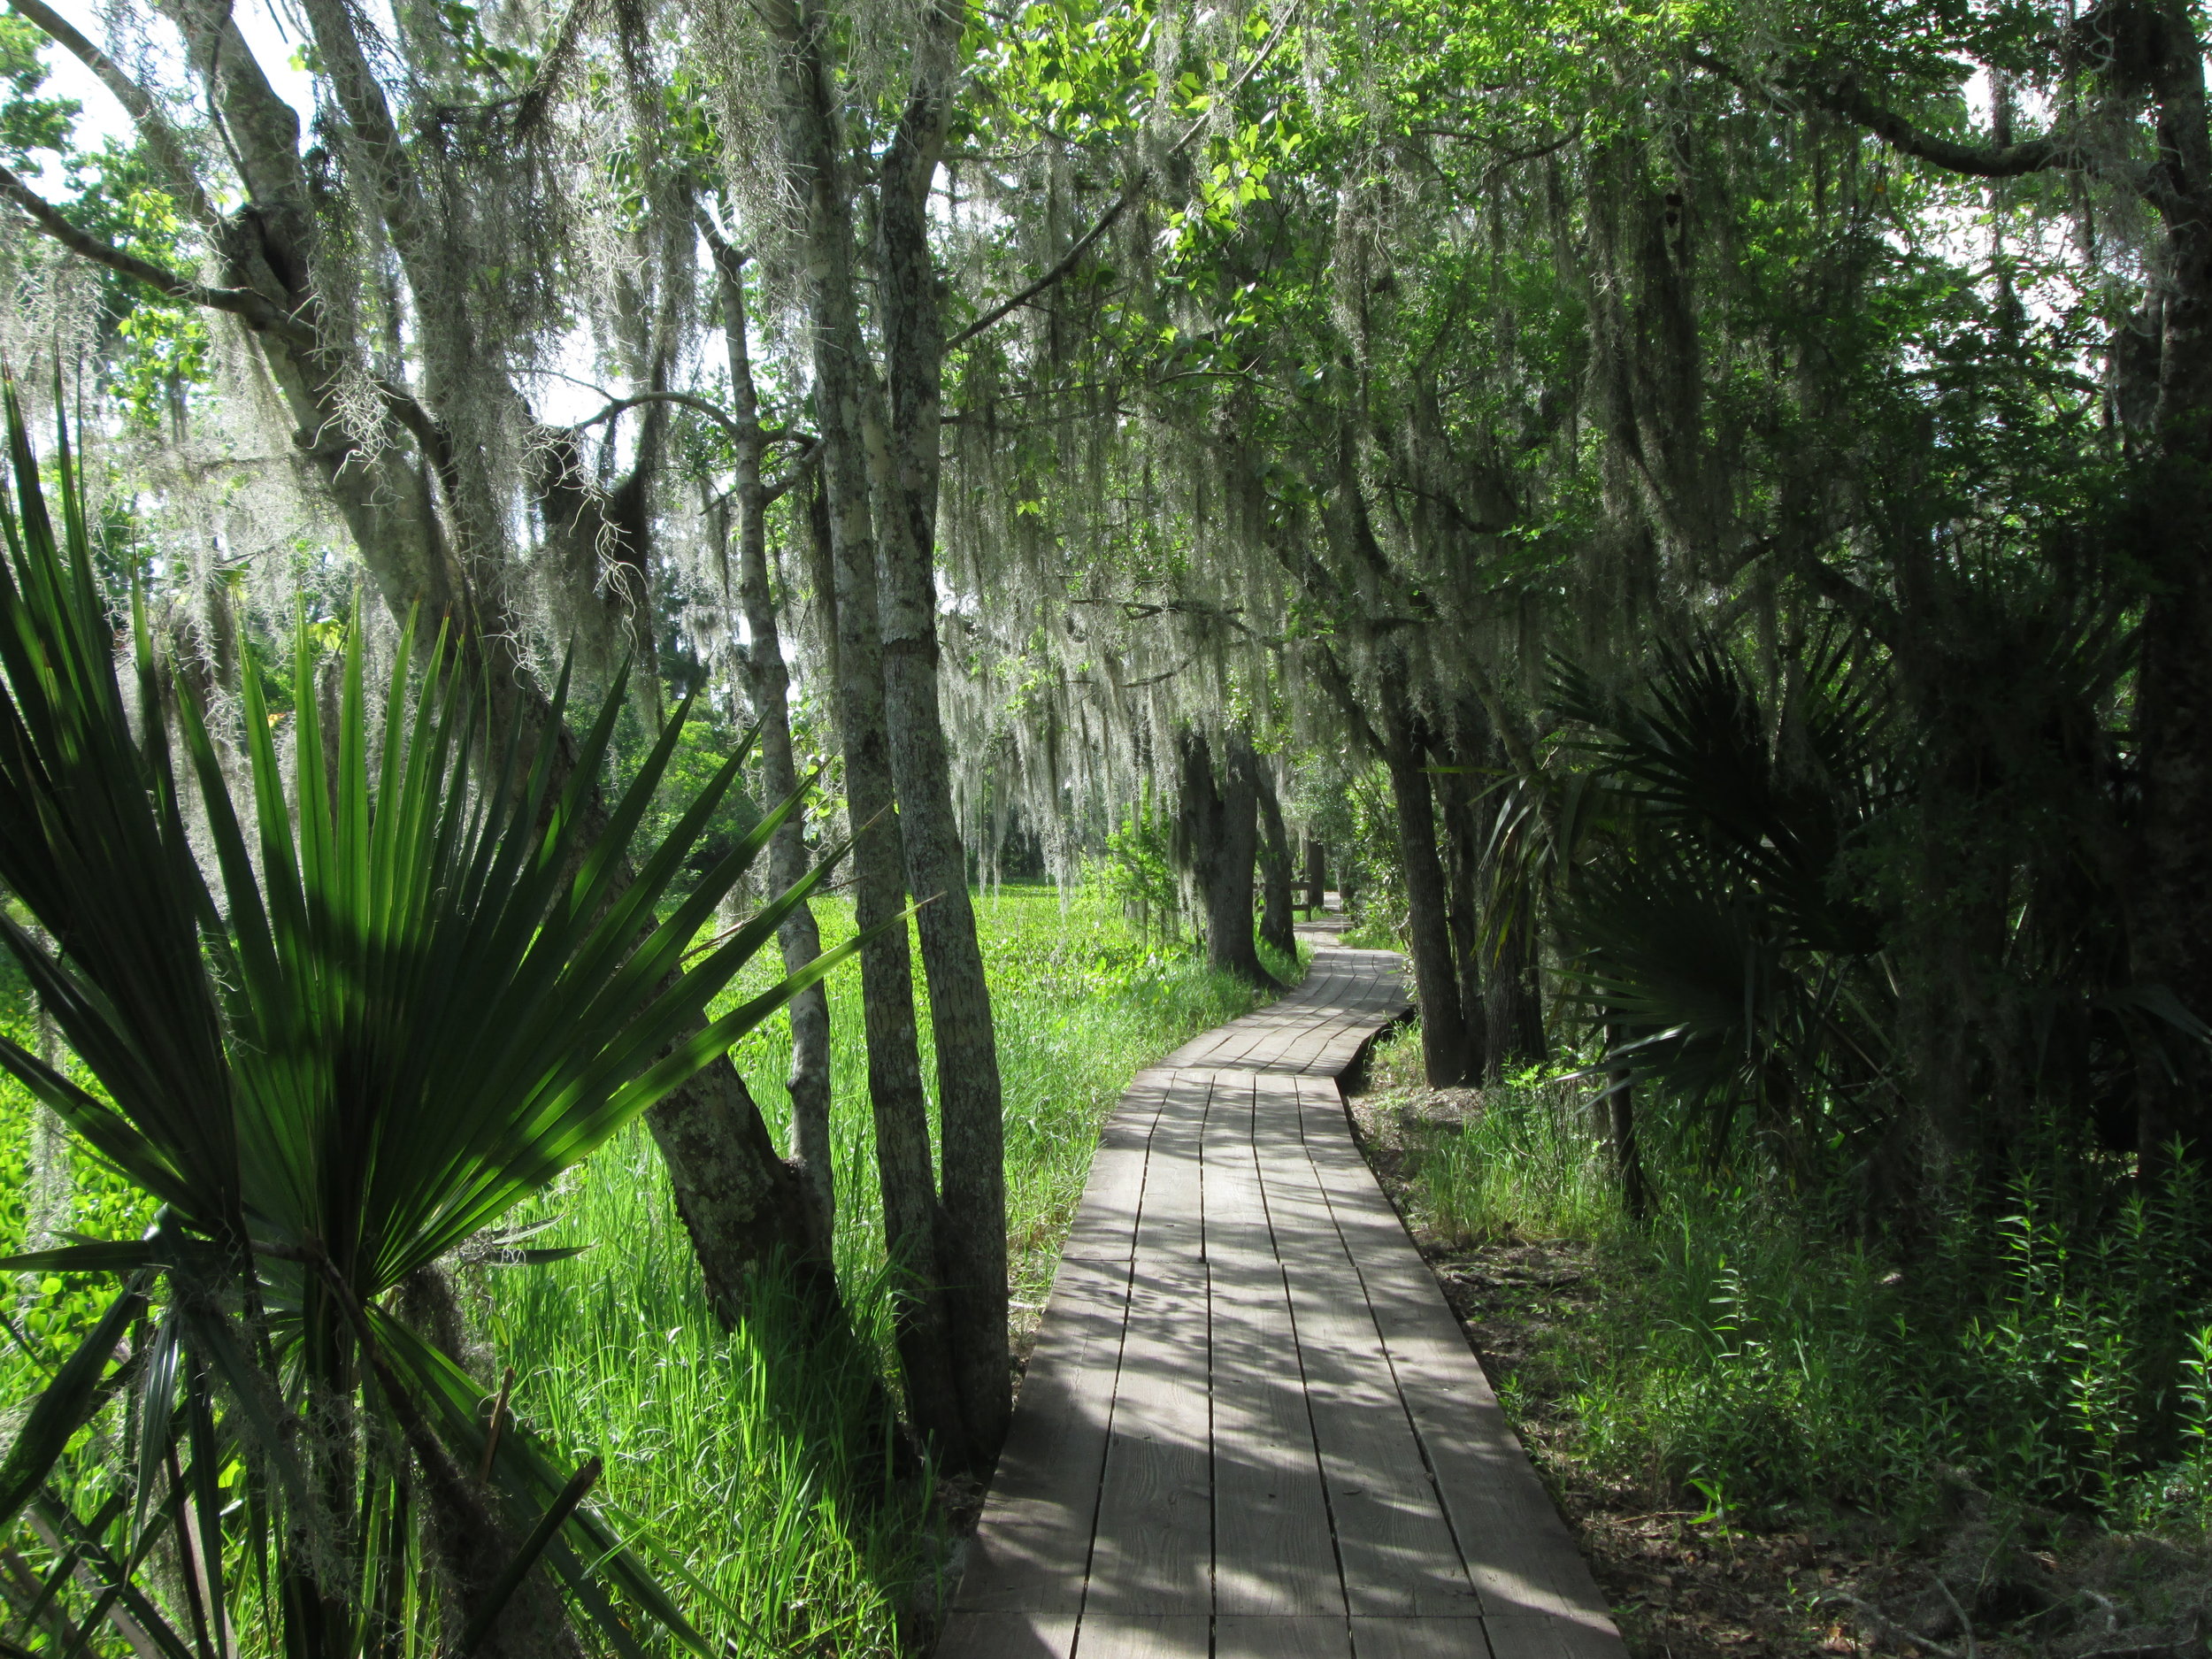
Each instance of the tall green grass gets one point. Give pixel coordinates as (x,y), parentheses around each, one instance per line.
(2047,1344)
(743,1460)
(1526,1164)
(737,1453)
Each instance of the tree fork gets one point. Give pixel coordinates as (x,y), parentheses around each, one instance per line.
(971,1245)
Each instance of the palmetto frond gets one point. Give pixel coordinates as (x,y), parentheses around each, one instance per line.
(425,977)
(1716,932)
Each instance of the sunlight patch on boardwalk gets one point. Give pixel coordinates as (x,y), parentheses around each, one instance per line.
(1251,1426)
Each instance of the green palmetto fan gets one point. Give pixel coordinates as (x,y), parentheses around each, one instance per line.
(424,980)
(1697,864)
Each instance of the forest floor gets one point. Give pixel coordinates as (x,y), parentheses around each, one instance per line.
(1685,1578)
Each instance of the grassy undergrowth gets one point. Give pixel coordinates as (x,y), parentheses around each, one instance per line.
(739,1456)
(2038,1357)
(736,1457)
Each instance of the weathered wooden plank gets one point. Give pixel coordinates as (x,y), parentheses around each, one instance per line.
(1519,1553)
(1272,1550)
(1245,1636)
(1034,1539)
(1105,1219)
(1540,1638)
(1009,1636)
(1142,1636)
(1397,1552)
(1418,1639)
(1153,1554)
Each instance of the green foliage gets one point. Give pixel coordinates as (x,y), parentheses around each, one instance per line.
(28,123)
(1140,867)
(1525,1164)
(2040,1356)
(1699,867)
(2045,1343)
(748,1461)
(426,985)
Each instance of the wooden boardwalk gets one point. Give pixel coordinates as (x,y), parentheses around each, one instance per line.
(1251,1428)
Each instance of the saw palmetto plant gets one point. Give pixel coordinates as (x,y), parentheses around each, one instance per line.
(1694,844)
(403,981)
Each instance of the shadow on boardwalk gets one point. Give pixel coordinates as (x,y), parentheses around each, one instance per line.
(1251,1426)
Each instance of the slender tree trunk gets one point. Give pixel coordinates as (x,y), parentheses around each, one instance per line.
(1428,921)
(1275,870)
(1617,1109)
(972,1245)
(1317,875)
(1464,835)
(1218,830)
(813,148)
(2172,920)
(1515,1003)
(768,685)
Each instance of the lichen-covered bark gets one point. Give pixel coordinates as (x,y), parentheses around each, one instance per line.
(1275,869)
(1444,1047)
(768,686)
(972,1245)
(812,148)
(1218,832)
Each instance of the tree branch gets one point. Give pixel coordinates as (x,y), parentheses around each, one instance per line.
(2049,154)
(800,468)
(256,310)
(715,412)
(1130,193)
(2052,153)
(153,121)
(1066,263)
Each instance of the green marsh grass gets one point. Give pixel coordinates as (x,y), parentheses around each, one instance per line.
(738,1457)
(732,1451)
(2047,1344)
(1522,1163)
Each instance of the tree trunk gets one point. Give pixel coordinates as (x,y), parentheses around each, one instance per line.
(1275,870)
(2172,921)
(1435,979)
(1219,833)
(768,684)
(1618,1111)
(971,1245)
(1514,1003)
(813,146)
(1466,835)
(1317,875)
(740,1202)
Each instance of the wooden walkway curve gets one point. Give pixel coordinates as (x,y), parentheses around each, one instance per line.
(1251,1427)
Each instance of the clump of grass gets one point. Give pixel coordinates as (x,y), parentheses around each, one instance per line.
(744,1457)
(1522,1164)
(2027,1349)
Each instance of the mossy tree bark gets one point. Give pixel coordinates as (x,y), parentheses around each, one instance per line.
(1444,1045)
(813,150)
(972,1244)
(1217,836)
(768,686)
(1275,868)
